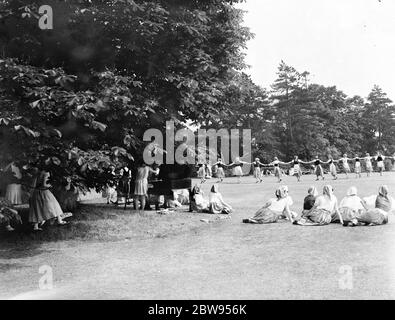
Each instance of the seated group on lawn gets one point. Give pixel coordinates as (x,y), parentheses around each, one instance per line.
(319,210)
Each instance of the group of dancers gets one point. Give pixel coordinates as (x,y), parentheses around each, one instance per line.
(319,210)
(206,170)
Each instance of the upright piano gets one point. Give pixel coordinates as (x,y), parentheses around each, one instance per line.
(172,177)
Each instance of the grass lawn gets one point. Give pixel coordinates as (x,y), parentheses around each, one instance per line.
(107,252)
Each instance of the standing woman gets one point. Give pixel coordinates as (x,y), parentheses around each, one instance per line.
(201,173)
(357,167)
(14,188)
(141,185)
(257,170)
(297,171)
(319,172)
(346,166)
(220,170)
(43,205)
(380,163)
(277,170)
(237,171)
(332,167)
(324,210)
(368,164)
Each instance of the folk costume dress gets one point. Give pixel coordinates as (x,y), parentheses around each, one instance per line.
(43,204)
(14,189)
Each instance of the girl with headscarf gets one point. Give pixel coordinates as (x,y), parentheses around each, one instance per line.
(199,204)
(378,215)
(216,203)
(323,211)
(350,206)
(273,210)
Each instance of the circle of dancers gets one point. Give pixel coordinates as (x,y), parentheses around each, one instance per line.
(207,170)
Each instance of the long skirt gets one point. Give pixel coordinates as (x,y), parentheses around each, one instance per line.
(141,187)
(346,168)
(318,171)
(264,215)
(373,217)
(332,169)
(217,208)
(358,167)
(257,173)
(316,217)
(369,166)
(220,173)
(380,165)
(277,172)
(237,171)
(43,206)
(297,171)
(348,214)
(14,193)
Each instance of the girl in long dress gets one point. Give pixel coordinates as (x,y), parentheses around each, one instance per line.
(209,171)
(319,172)
(346,166)
(220,170)
(141,185)
(43,205)
(257,170)
(216,203)
(351,206)
(357,166)
(324,211)
(277,170)
(332,167)
(273,210)
(201,173)
(237,171)
(368,164)
(380,163)
(378,215)
(297,171)
(14,189)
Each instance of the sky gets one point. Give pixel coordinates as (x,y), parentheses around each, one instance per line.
(346,43)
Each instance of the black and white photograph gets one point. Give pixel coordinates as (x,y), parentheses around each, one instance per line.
(197,150)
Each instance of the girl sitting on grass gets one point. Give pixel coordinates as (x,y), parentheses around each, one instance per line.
(273,210)
(216,204)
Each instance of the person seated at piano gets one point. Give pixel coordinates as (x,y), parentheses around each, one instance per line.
(141,184)
(199,204)
(216,203)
